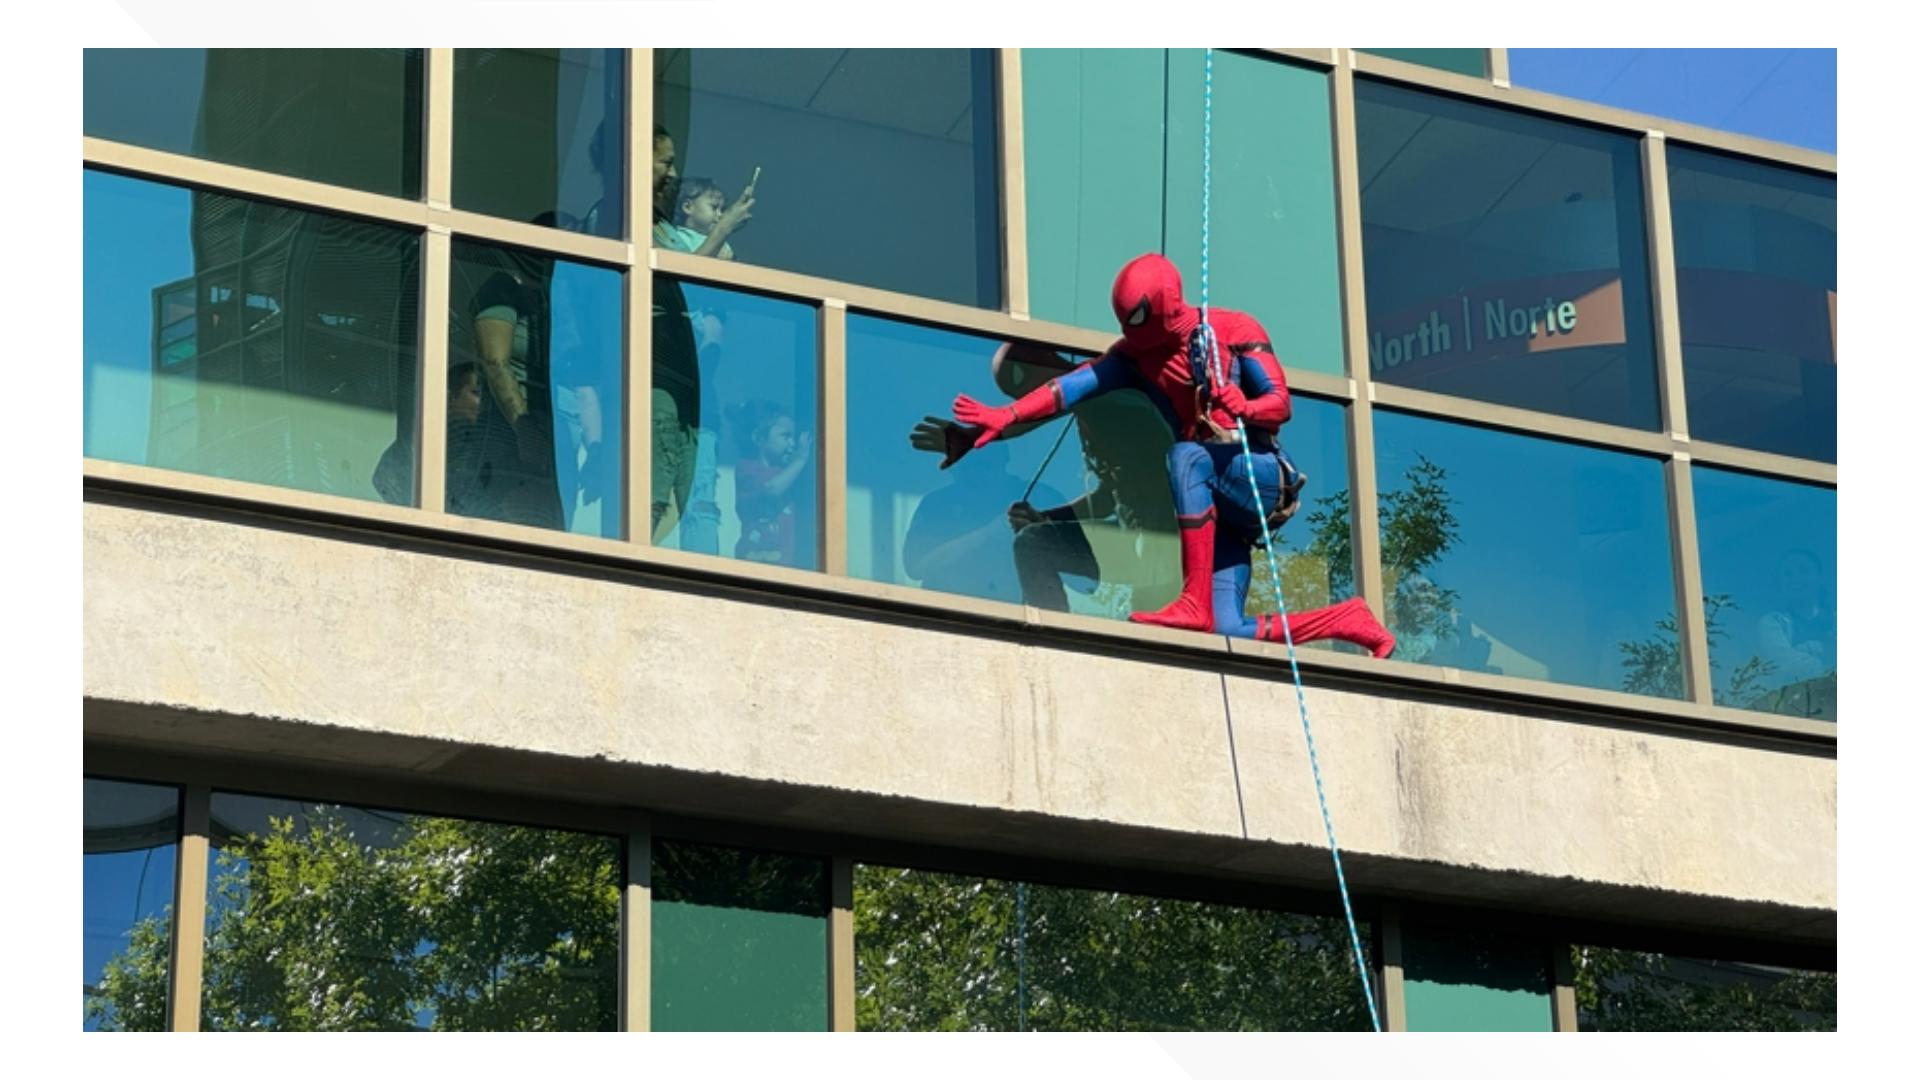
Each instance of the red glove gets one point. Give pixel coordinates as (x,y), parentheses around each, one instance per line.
(995,419)
(1229,397)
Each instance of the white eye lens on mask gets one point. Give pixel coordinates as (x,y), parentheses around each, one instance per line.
(1138,316)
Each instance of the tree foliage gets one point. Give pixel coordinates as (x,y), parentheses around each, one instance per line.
(1623,990)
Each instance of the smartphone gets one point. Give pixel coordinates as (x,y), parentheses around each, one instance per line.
(755,182)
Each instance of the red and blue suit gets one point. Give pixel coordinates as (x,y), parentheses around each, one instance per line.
(1160,355)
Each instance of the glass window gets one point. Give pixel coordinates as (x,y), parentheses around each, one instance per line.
(534,395)
(1113,168)
(339,918)
(1623,990)
(249,340)
(874,166)
(735,396)
(1757,257)
(539,136)
(1106,545)
(339,116)
(1768,560)
(1526,557)
(132,836)
(1475,980)
(1463,61)
(739,939)
(944,952)
(1505,257)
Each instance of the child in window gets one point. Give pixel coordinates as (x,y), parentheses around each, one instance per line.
(765,486)
(703,213)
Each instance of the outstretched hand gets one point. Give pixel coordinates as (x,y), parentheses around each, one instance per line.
(939,435)
(990,419)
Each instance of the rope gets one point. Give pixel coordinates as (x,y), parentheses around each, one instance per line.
(1266,536)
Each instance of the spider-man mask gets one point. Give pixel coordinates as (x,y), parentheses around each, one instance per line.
(1147,301)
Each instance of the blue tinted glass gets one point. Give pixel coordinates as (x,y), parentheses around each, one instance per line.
(1464,61)
(735,396)
(533,391)
(1787,95)
(247,339)
(1525,557)
(1758,262)
(1768,556)
(1105,542)
(1505,257)
(132,839)
(339,116)
(538,136)
(876,166)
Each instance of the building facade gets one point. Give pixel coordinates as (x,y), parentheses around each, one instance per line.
(400,712)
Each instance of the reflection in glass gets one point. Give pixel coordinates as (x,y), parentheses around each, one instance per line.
(1623,990)
(131,842)
(334,918)
(944,952)
(338,116)
(533,390)
(539,136)
(248,340)
(739,939)
(1464,61)
(1757,257)
(1468,979)
(734,401)
(1103,542)
(1526,557)
(876,166)
(1768,560)
(1273,245)
(1505,257)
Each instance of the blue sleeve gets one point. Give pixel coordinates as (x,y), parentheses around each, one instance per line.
(1110,372)
(1253,378)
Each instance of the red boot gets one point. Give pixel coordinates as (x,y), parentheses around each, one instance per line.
(1349,620)
(1193,608)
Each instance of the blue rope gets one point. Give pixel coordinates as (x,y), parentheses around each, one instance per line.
(1266,535)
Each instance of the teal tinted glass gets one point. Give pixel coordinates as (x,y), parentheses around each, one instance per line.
(1104,543)
(1475,980)
(1114,156)
(1768,561)
(1624,990)
(1757,254)
(1505,257)
(248,340)
(946,952)
(539,136)
(1525,557)
(735,396)
(739,940)
(130,846)
(534,395)
(1460,61)
(340,918)
(339,116)
(874,166)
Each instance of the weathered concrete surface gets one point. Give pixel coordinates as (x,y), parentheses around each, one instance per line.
(223,635)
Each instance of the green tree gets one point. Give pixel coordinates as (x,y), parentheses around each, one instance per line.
(132,992)
(1653,665)
(1623,990)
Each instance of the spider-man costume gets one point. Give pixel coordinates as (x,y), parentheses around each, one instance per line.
(1213,501)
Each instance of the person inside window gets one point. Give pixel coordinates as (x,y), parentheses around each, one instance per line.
(766,483)
(703,206)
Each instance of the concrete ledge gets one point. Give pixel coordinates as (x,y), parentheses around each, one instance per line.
(301,646)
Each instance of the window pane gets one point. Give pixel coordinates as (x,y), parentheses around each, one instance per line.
(1463,61)
(1110,547)
(1526,557)
(534,397)
(1757,257)
(875,166)
(1113,168)
(735,389)
(943,952)
(249,340)
(1505,257)
(339,116)
(739,940)
(131,842)
(1768,557)
(339,918)
(539,134)
(1475,980)
(1623,990)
